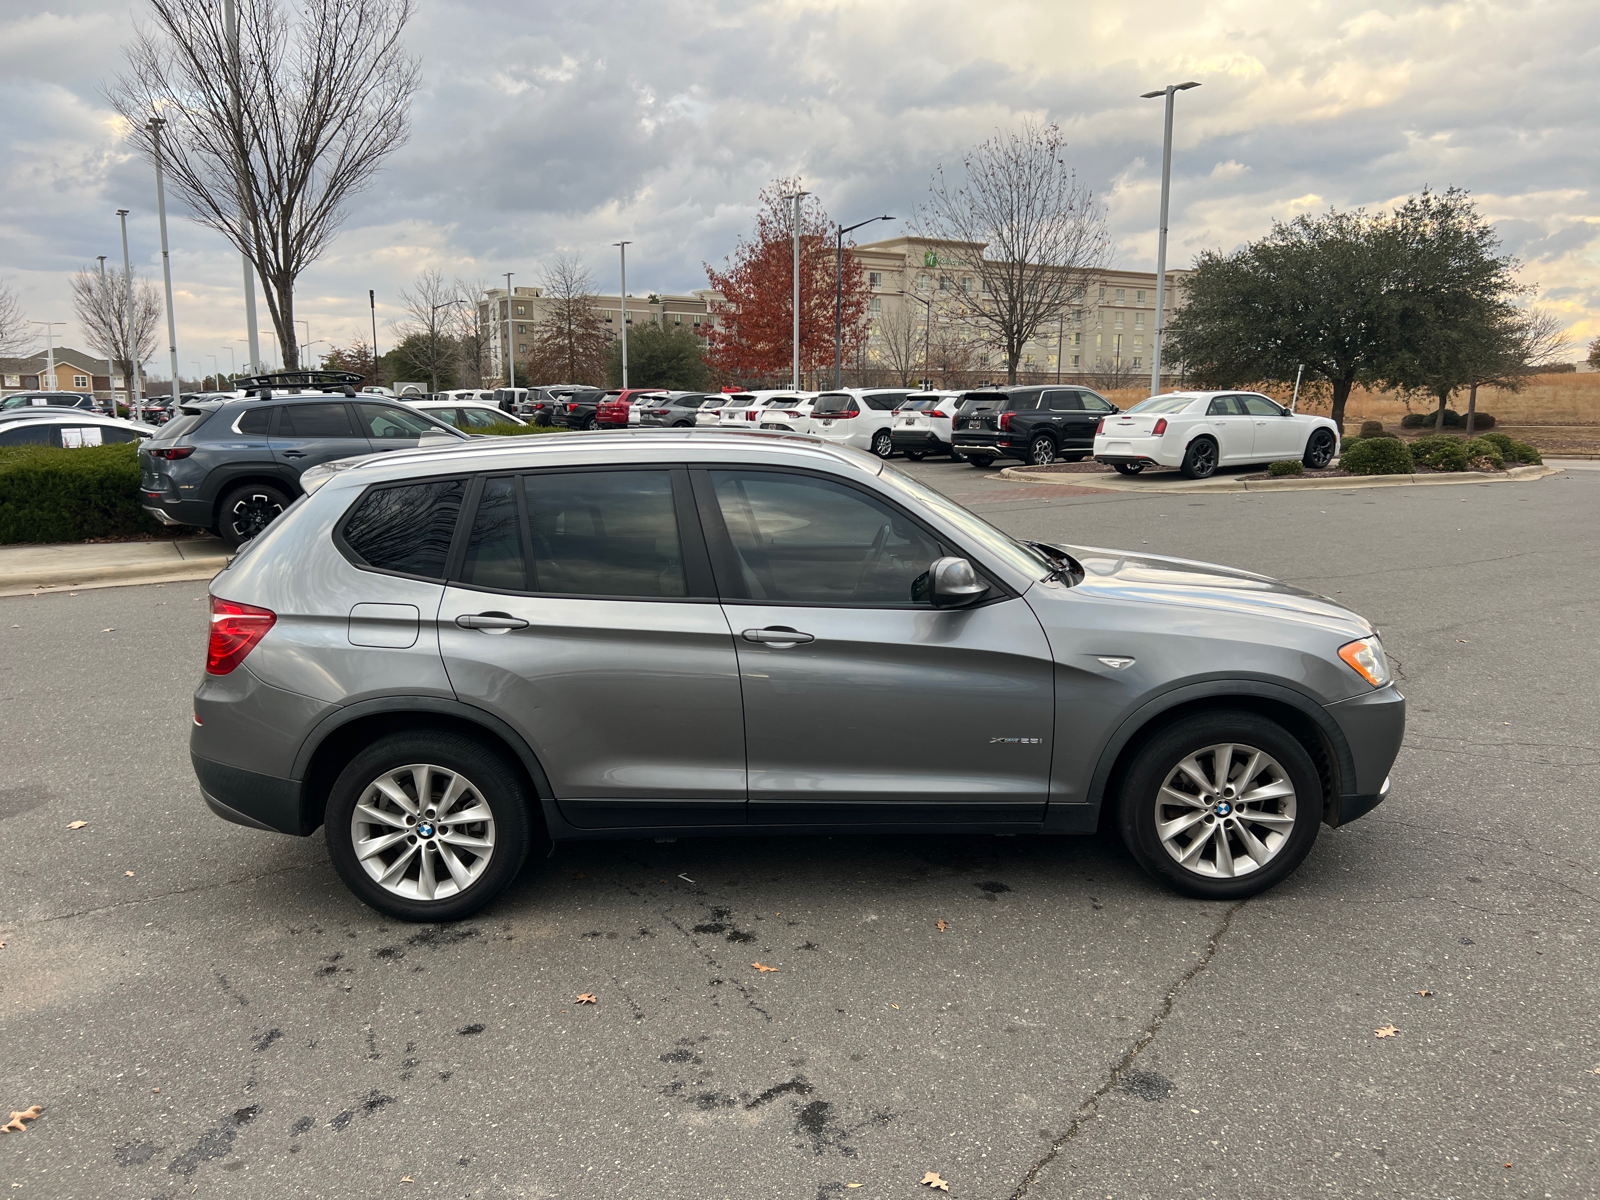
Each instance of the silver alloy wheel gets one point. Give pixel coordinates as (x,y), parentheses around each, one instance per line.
(422,832)
(1042,453)
(1225,811)
(882,444)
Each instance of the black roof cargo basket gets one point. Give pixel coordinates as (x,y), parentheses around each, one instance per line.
(263,384)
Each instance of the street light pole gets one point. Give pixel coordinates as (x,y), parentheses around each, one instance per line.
(838,289)
(50,350)
(216,379)
(154,125)
(372,303)
(136,388)
(623,248)
(795,198)
(111,368)
(230,21)
(1171,90)
(300,358)
(511,357)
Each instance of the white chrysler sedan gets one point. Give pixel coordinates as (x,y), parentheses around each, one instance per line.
(1199,431)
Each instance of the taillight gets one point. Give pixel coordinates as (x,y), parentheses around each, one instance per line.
(656,412)
(1161,427)
(939,416)
(750,416)
(1100,427)
(793,416)
(235,630)
(1005,420)
(171,451)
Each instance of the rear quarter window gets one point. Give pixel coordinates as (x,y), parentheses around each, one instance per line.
(180,425)
(405,528)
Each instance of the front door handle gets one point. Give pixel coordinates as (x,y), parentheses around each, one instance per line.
(294,453)
(491,622)
(777,637)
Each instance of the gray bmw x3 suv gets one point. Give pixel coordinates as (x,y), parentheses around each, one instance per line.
(434,653)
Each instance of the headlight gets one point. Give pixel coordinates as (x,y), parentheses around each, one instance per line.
(1365,658)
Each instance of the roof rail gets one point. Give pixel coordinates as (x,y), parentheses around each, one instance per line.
(263,384)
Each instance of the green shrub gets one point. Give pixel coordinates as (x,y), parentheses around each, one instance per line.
(53,495)
(1378,456)
(1371,428)
(1480,422)
(1441,451)
(510,430)
(1512,450)
(1346,443)
(1452,419)
(1481,452)
(1286,466)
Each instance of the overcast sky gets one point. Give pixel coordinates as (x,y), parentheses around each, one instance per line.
(548,127)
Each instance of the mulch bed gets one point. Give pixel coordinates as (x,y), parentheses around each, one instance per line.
(1340,473)
(1077,468)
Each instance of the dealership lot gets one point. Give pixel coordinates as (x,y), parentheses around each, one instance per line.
(1075,1030)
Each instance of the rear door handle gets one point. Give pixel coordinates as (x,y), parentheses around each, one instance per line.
(777,637)
(492,622)
(294,453)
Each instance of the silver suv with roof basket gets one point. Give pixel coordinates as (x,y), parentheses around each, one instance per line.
(427,655)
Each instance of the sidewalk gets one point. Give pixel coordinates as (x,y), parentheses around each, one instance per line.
(25,570)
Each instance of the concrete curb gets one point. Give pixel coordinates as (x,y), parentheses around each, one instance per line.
(1151,487)
(78,579)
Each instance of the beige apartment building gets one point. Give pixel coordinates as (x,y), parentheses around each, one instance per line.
(1111,332)
(1107,336)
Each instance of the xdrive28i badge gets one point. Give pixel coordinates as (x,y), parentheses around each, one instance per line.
(1010,741)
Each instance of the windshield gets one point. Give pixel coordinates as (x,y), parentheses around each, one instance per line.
(741,402)
(919,404)
(180,425)
(1017,555)
(1163,404)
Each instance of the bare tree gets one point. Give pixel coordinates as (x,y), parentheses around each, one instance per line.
(473,339)
(16,333)
(268,145)
(571,341)
(901,340)
(1528,340)
(127,338)
(427,330)
(1020,239)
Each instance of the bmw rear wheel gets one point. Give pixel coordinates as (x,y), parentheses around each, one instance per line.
(1319,450)
(1221,805)
(428,826)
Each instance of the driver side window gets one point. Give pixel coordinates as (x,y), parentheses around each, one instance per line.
(797,539)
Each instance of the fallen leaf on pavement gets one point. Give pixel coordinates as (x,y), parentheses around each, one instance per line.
(76,824)
(761,968)
(943,926)
(587,998)
(15,1124)
(1424,992)
(1508,1164)
(113,629)
(932,1180)
(1385,1031)
(852,1185)
(896,1007)
(129,874)
(407,1179)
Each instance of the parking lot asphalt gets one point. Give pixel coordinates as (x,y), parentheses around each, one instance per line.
(204,1010)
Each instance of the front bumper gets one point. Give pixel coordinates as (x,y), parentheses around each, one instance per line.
(1373,726)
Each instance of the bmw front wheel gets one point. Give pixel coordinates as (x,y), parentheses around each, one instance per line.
(1221,805)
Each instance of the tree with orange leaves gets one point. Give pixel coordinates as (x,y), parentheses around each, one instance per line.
(753,334)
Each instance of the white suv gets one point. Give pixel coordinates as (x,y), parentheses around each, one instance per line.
(744,415)
(924,424)
(858,417)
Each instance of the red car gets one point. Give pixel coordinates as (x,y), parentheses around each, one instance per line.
(613,410)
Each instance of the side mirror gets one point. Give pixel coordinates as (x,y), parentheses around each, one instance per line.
(954,584)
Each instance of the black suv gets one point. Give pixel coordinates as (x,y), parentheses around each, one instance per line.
(1039,425)
(576,410)
(48,400)
(231,466)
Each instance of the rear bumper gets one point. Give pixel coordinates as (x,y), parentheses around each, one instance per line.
(251,799)
(917,439)
(173,511)
(1151,451)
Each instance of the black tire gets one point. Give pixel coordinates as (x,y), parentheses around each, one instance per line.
(247,510)
(1041,451)
(1128,468)
(495,781)
(683,424)
(589,423)
(956,455)
(1320,447)
(916,455)
(1140,804)
(883,444)
(1200,459)
(982,461)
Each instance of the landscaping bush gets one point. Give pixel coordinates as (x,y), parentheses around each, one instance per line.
(1371,428)
(1512,450)
(1346,443)
(1378,456)
(1481,452)
(1286,466)
(1452,420)
(1441,451)
(510,430)
(52,495)
(1480,422)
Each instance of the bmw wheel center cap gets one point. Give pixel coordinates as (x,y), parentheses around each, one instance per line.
(425,829)
(1223,808)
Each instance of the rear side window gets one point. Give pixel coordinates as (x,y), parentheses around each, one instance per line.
(406,528)
(30,435)
(1224,406)
(257,420)
(180,425)
(315,420)
(604,533)
(1063,402)
(1026,403)
(494,549)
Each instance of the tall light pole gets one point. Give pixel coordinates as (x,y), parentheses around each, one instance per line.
(136,388)
(154,125)
(511,355)
(307,342)
(50,350)
(372,303)
(1171,90)
(795,198)
(216,380)
(233,366)
(838,289)
(230,21)
(622,247)
(111,369)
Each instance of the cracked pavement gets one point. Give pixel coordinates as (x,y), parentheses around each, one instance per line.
(1074,1032)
